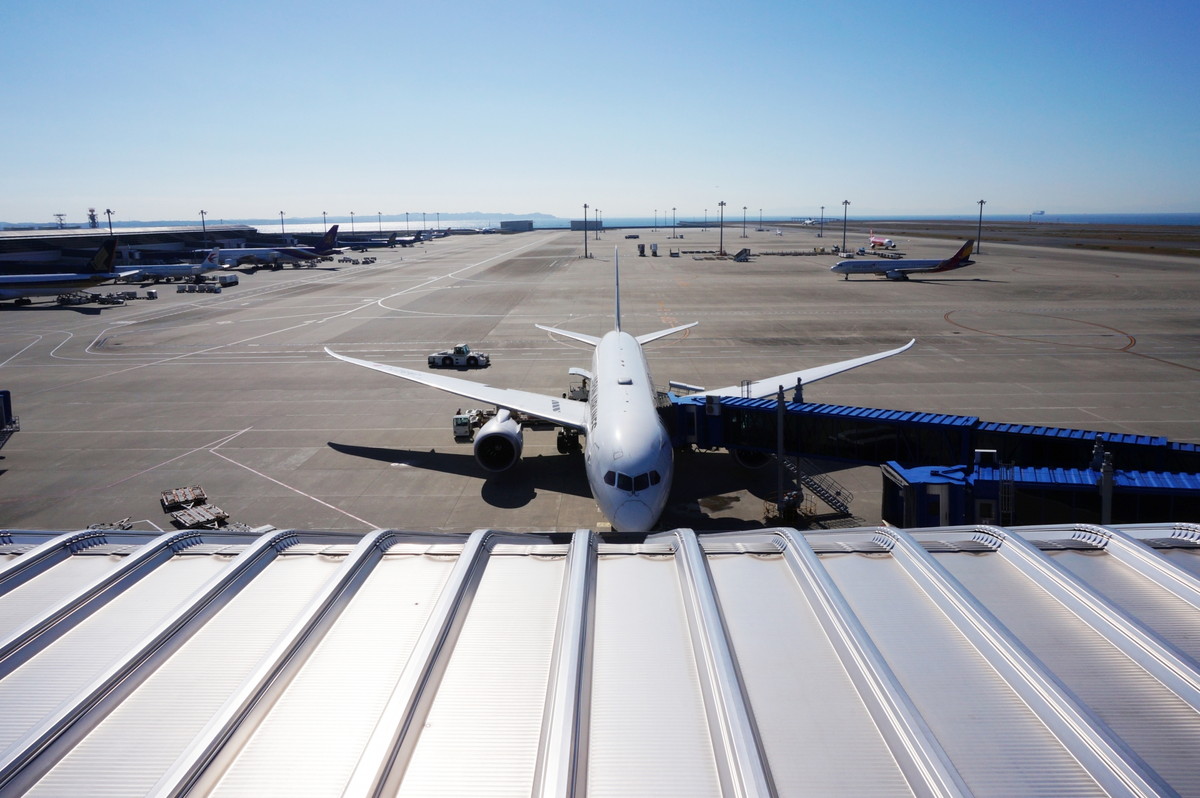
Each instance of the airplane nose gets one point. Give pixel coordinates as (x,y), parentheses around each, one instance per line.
(633,516)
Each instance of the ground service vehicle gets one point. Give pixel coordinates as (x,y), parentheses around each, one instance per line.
(459,356)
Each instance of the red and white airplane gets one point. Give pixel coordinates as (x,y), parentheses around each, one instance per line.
(880,241)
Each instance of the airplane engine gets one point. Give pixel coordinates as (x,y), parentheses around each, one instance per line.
(895,275)
(747,458)
(498,443)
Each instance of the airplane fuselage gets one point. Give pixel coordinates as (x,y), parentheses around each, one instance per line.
(628,452)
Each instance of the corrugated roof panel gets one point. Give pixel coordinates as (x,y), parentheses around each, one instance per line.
(683,665)
(1159,610)
(815,729)
(1154,721)
(29,600)
(166,711)
(649,731)
(998,745)
(52,677)
(491,698)
(322,721)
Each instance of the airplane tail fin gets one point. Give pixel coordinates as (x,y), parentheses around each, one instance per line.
(592,340)
(329,241)
(392,240)
(617,272)
(958,259)
(963,256)
(102,261)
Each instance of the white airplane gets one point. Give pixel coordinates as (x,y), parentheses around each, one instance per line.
(100,269)
(900,269)
(239,256)
(160,271)
(628,454)
(880,241)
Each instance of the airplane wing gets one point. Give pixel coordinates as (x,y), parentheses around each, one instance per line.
(768,387)
(568,412)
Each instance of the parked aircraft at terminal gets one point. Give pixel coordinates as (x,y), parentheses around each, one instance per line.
(164,271)
(901,268)
(99,270)
(628,455)
(240,256)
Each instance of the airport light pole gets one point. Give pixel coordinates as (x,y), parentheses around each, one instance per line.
(406,221)
(109,212)
(979,231)
(706,219)
(203,228)
(845,212)
(585,210)
(760,219)
(281,230)
(380,215)
(438,216)
(721,246)
(821,232)
(596,217)
(673,223)
(655,228)
(423,228)
(324,221)
(744,222)
(351,222)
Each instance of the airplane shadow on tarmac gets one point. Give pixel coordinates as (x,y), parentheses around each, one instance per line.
(516,487)
(705,485)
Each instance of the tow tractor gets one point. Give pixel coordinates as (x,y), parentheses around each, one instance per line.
(459,356)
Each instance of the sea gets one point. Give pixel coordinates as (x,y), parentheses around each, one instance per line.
(375,226)
(368,226)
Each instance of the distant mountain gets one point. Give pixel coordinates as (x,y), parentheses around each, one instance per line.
(387,217)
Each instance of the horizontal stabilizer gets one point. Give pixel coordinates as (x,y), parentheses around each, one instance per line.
(654,336)
(590,340)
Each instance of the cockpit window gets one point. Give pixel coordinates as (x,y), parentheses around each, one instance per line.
(632,484)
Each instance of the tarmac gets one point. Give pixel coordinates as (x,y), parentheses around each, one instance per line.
(233,391)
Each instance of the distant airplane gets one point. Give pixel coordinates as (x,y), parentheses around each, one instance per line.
(628,455)
(901,268)
(240,256)
(363,244)
(163,271)
(100,269)
(880,241)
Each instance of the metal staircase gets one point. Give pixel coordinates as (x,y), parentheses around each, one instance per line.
(821,485)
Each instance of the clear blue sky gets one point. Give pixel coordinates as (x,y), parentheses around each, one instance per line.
(157,110)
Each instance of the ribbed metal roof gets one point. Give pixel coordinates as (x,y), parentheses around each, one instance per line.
(873,661)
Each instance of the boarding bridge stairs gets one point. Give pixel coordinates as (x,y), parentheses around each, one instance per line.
(819,484)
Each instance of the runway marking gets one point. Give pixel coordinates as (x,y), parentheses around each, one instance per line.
(368,524)
(1127,348)
(109,486)
(36,340)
